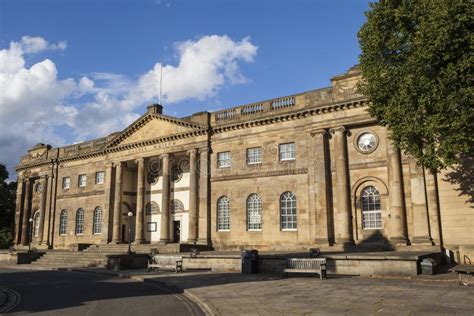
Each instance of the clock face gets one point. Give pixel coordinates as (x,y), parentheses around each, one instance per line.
(367,142)
(39,188)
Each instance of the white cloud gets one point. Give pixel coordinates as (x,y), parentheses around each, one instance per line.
(31,45)
(35,104)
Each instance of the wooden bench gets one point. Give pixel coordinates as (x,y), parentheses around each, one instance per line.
(305,265)
(464,269)
(174,263)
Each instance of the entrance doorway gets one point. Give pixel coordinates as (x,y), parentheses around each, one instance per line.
(176,231)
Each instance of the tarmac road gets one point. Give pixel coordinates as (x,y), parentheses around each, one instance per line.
(79,293)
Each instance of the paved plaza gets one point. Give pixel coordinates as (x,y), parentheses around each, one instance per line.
(260,294)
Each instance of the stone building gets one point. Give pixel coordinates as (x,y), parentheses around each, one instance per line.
(289,173)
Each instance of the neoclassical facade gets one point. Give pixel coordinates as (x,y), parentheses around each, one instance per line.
(288,173)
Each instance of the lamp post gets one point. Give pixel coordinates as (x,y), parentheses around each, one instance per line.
(130,214)
(30,234)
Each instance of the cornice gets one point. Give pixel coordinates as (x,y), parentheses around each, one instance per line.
(290,116)
(260,174)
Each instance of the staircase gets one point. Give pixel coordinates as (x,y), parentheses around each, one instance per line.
(96,255)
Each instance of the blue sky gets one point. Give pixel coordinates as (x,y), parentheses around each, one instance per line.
(89,55)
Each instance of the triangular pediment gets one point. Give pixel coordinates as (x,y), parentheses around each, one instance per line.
(152,126)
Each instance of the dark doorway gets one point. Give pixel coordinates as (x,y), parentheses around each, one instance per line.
(124,233)
(176,231)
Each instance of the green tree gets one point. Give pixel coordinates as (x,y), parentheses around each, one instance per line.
(7,208)
(417,59)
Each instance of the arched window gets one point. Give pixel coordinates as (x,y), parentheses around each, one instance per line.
(63,223)
(288,211)
(80,222)
(152,208)
(176,206)
(254,212)
(97,221)
(36,220)
(223,213)
(371,212)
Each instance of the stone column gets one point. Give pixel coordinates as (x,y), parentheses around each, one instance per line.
(139,233)
(396,198)
(320,185)
(107,212)
(421,229)
(117,204)
(344,216)
(26,213)
(44,184)
(204,216)
(433,208)
(52,203)
(18,210)
(165,200)
(193,195)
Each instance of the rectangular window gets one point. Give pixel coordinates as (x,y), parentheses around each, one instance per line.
(99,177)
(254,155)
(66,183)
(223,159)
(287,151)
(82,180)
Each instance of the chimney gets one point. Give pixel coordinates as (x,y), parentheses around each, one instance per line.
(154,108)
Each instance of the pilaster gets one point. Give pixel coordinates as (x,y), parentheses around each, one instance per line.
(165,210)
(139,233)
(193,195)
(117,203)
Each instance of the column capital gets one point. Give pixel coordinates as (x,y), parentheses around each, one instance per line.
(118,163)
(339,129)
(203,150)
(165,155)
(321,131)
(191,151)
(140,160)
(109,164)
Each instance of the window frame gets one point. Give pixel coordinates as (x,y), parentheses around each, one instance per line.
(66,180)
(284,218)
(249,162)
(220,164)
(280,151)
(79,178)
(223,214)
(253,206)
(80,215)
(95,222)
(63,223)
(374,215)
(97,177)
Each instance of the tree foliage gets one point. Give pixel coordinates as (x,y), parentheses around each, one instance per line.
(417,61)
(7,207)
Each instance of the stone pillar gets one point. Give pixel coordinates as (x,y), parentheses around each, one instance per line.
(344,216)
(433,207)
(396,198)
(421,229)
(193,195)
(44,184)
(320,187)
(107,212)
(117,204)
(18,210)
(26,213)
(204,215)
(52,203)
(139,233)
(165,200)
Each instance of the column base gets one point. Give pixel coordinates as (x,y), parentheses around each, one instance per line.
(422,240)
(204,241)
(164,241)
(399,241)
(115,242)
(138,241)
(346,243)
(322,242)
